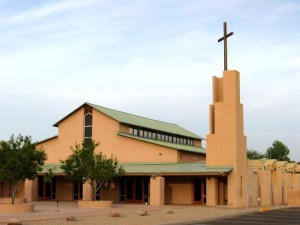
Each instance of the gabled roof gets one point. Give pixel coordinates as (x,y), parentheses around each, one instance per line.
(187,148)
(169,169)
(139,121)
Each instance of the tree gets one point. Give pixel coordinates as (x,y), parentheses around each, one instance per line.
(19,160)
(87,166)
(253,154)
(278,151)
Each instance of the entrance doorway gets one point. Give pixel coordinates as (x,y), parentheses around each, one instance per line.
(46,190)
(77,190)
(134,189)
(199,191)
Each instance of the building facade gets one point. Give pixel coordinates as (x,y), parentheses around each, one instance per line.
(165,163)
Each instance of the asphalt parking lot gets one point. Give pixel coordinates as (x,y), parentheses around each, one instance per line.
(286,216)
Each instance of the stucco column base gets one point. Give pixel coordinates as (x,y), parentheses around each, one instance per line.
(157,191)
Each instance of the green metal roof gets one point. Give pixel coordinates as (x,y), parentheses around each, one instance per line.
(140,121)
(158,168)
(55,167)
(173,168)
(186,148)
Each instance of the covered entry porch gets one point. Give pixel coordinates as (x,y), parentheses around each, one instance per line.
(181,183)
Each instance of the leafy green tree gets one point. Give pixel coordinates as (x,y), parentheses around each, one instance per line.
(19,160)
(253,154)
(278,151)
(87,166)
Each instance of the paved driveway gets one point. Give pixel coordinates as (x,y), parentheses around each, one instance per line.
(286,216)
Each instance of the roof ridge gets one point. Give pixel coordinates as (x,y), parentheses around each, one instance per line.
(132,114)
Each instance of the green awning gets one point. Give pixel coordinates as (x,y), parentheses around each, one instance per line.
(168,169)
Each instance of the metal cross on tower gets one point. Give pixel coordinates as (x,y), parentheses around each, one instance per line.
(225,44)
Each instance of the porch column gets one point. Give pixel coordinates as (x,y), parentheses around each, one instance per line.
(265,184)
(277,184)
(211,191)
(28,190)
(296,181)
(157,191)
(86,192)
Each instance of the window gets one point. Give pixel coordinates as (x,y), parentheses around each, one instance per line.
(88,128)
(158,136)
(154,135)
(141,133)
(146,133)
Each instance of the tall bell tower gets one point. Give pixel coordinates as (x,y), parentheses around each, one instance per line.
(226,143)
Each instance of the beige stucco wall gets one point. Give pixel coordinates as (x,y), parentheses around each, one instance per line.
(277,184)
(157,192)
(70,131)
(211,191)
(189,157)
(287,186)
(31,190)
(296,182)
(105,130)
(178,190)
(265,188)
(253,187)
(294,198)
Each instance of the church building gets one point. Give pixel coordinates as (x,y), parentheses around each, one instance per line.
(165,163)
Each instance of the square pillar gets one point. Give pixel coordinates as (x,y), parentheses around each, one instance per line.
(86,192)
(30,190)
(157,191)
(265,187)
(211,191)
(287,186)
(296,182)
(277,187)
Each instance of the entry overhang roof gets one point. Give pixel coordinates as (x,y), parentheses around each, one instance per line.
(160,169)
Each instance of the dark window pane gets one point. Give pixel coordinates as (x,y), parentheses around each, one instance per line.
(88,120)
(87,132)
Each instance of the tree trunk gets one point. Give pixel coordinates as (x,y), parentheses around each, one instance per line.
(13,188)
(93,190)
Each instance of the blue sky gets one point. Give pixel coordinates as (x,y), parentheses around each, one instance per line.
(151,58)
